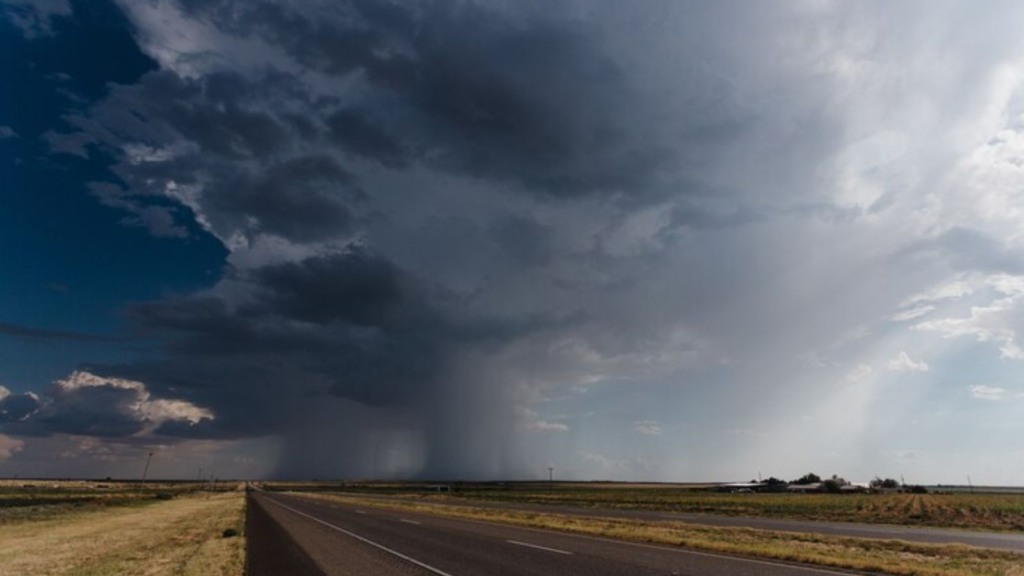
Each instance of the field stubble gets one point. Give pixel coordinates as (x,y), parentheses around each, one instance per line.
(122,531)
(994,512)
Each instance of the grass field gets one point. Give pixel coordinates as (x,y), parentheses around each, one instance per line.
(85,529)
(1001,511)
(883,556)
(37,499)
(953,510)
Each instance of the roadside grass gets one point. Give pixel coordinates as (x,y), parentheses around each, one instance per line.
(154,537)
(884,556)
(38,499)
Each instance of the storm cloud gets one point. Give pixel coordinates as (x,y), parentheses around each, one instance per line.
(473,239)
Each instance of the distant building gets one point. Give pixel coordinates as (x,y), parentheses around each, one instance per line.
(806,488)
(740,487)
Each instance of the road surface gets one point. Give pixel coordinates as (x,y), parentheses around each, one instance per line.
(292,535)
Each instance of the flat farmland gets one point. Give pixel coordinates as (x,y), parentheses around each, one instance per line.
(1001,511)
(981,511)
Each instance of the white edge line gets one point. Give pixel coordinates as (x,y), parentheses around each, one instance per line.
(555,550)
(364,540)
(360,511)
(662,547)
(407,521)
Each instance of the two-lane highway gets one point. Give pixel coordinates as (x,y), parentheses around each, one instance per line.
(341,539)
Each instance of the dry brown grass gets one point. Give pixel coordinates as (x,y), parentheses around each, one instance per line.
(993,511)
(885,556)
(179,536)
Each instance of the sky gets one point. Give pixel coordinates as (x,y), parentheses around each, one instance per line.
(475,239)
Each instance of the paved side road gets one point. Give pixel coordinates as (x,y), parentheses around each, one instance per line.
(342,539)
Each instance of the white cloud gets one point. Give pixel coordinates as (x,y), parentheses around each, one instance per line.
(85,393)
(1007,284)
(911,313)
(647,427)
(903,363)
(983,392)
(600,460)
(7,132)
(545,426)
(948,290)
(859,374)
(991,323)
(530,420)
(9,446)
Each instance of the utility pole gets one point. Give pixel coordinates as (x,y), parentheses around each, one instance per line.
(145,470)
(969,484)
(551,474)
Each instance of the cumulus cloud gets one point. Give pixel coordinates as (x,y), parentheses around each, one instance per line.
(989,323)
(530,420)
(9,446)
(89,405)
(903,363)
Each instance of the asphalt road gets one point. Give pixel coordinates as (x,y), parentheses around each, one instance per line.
(291,535)
(998,540)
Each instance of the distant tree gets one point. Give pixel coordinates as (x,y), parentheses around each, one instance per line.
(887,483)
(809,478)
(834,484)
(773,481)
(916,489)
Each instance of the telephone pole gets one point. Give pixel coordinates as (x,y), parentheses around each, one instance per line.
(145,470)
(551,474)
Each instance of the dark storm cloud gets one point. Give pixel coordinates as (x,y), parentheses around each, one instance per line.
(255,146)
(303,198)
(470,90)
(344,326)
(359,134)
(441,215)
(220,112)
(533,106)
(352,288)
(350,323)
